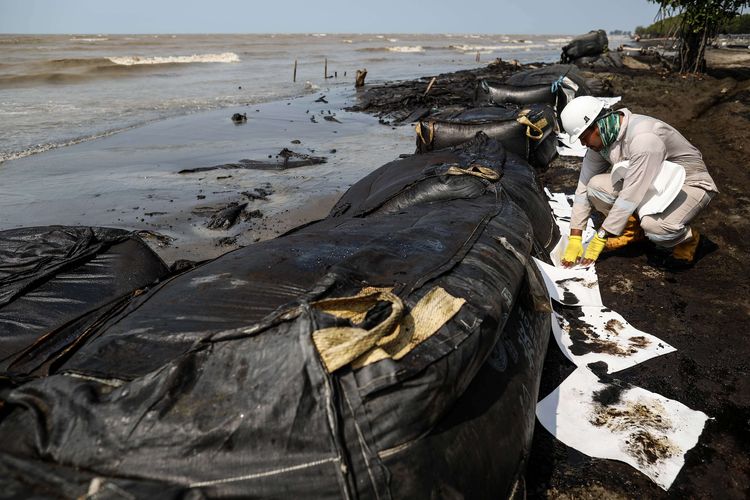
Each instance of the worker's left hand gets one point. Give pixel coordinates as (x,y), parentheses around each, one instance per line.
(595,247)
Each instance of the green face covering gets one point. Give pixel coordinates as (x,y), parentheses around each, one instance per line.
(609,128)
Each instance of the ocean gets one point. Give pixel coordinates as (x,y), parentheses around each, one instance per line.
(58,90)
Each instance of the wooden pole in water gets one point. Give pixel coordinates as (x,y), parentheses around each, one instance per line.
(325,70)
(477,56)
(294,76)
(432,82)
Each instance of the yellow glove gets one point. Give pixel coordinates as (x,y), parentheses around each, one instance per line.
(574,249)
(595,247)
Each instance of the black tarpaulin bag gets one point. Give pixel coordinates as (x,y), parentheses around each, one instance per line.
(520,130)
(477,166)
(492,92)
(56,281)
(593,43)
(547,75)
(270,406)
(386,355)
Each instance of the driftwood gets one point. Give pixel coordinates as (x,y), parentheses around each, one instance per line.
(286,159)
(226,217)
(359,80)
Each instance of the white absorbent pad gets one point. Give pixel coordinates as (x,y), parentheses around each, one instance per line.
(598,334)
(571,287)
(608,420)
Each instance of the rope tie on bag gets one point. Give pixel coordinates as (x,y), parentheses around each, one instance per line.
(523,119)
(394,337)
(430,129)
(557,84)
(474,170)
(338,346)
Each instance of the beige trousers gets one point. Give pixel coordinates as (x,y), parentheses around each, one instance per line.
(667,228)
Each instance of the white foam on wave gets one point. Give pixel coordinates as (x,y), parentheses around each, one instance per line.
(406,49)
(41,148)
(225,57)
(486,49)
(559,40)
(98,39)
(393,40)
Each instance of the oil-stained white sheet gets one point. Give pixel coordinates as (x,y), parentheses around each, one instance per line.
(596,334)
(572,287)
(638,427)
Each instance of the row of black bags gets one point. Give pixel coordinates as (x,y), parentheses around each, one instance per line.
(521,112)
(391,350)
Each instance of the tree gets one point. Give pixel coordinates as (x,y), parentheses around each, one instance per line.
(700,21)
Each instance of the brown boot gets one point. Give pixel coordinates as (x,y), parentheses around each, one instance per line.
(684,255)
(631,234)
(685,251)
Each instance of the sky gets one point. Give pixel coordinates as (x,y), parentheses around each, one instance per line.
(323,16)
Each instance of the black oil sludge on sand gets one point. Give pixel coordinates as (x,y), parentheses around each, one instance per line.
(224,380)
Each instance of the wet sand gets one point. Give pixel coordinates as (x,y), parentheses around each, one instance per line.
(130,180)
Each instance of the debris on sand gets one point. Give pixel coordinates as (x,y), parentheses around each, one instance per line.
(284,160)
(226,217)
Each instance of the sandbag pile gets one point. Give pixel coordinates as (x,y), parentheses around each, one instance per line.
(391,350)
(57,282)
(555,85)
(592,44)
(526,131)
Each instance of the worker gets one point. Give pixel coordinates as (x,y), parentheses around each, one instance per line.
(647,145)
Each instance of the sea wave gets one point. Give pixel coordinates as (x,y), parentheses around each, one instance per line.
(486,49)
(559,40)
(97,39)
(224,57)
(406,49)
(41,148)
(402,49)
(75,70)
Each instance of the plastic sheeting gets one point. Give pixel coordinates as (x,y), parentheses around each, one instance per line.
(425,178)
(489,92)
(211,382)
(593,43)
(524,131)
(55,282)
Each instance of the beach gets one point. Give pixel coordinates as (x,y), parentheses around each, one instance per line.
(132,180)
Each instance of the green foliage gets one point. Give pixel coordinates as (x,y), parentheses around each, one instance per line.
(661,28)
(738,25)
(699,21)
(699,16)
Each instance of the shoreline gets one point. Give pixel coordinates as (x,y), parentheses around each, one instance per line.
(32,150)
(130,179)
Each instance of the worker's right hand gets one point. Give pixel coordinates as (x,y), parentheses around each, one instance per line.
(573,251)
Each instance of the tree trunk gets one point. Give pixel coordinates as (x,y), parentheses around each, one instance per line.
(692,52)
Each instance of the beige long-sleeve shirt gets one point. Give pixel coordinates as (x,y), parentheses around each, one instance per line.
(645,142)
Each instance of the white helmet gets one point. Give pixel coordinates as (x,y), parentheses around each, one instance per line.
(580,114)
